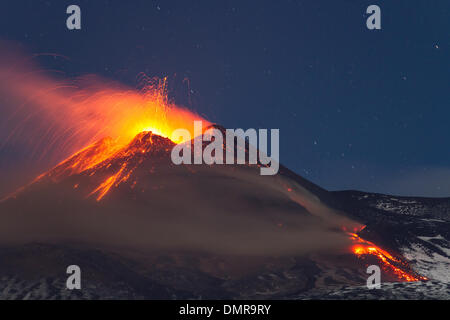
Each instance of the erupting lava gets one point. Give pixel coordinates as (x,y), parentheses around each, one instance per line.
(56,117)
(389,262)
(85,120)
(127,159)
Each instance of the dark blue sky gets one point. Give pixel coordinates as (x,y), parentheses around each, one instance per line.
(356,109)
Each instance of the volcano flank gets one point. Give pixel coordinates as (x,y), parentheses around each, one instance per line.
(223,224)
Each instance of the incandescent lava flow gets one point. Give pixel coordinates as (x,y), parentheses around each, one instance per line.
(109,161)
(363,248)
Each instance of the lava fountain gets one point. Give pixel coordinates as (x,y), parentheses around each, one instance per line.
(51,117)
(51,114)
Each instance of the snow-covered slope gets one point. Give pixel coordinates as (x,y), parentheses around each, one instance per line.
(418,228)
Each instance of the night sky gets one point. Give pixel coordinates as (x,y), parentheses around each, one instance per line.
(356,108)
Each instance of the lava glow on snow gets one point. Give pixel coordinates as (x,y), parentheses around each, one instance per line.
(390,263)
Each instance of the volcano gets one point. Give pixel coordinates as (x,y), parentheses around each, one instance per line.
(141,227)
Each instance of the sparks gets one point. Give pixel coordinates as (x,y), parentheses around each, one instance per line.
(60,117)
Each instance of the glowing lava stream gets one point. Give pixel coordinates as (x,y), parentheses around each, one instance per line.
(365,247)
(117,178)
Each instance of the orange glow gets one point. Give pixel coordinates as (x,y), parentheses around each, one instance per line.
(92,119)
(122,114)
(84,159)
(115,179)
(83,120)
(104,154)
(61,116)
(389,262)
